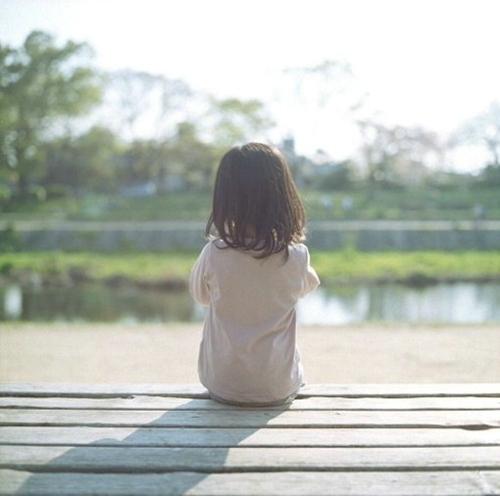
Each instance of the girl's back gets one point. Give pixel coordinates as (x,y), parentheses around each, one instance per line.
(251,276)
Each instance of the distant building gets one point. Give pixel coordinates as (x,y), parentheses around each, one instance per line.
(305,169)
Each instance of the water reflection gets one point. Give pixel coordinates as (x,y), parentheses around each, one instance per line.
(94,303)
(449,303)
(13,303)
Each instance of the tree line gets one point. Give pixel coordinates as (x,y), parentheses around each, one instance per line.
(67,128)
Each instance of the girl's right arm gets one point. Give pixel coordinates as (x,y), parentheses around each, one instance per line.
(198,286)
(311,280)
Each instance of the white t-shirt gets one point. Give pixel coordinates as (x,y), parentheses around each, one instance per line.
(249,352)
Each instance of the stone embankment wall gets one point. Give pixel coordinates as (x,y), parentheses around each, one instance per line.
(157,236)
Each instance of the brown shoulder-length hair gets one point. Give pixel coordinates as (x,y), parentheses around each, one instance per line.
(256,205)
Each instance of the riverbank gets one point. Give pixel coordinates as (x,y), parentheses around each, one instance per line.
(116,353)
(170,269)
(151,236)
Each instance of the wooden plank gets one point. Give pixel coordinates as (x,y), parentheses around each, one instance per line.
(473,420)
(102,390)
(339,439)
(312,403)
(277,437)
(401,390)
(463,483)
(209,460)
(197,391)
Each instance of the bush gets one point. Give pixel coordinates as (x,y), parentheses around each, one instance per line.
(9,239)
(5,193)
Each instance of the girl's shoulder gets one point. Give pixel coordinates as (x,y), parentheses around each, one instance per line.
(298,254)
(213,245)
(299,249)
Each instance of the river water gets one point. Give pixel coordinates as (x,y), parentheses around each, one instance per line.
(464,302)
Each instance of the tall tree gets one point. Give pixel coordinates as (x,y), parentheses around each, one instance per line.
(41,85)
(191,158)
(398,154)
(84,163)
(138,105)
(233,121)
(321,101)
(483,130)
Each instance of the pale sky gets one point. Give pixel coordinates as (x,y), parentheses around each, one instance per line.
(432,63)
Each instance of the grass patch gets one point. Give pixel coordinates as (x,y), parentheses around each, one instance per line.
(341,265)
(352,264)
(101,265)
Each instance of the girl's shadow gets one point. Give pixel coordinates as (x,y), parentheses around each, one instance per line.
(169,455)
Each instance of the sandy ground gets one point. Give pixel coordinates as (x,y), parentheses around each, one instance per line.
(103,353)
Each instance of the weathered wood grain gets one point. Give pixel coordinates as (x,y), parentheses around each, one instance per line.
(403,440)
(197,391)
(211,460)
(312,403)
(429,483)
(227,437)
(402,390)
(476,419)
(102,390)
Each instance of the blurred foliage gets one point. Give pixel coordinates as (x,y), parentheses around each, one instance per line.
(482,129)
(9,239)
(76,144)
(415,204)
(42,86)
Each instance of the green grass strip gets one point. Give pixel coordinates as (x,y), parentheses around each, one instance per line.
(340,265)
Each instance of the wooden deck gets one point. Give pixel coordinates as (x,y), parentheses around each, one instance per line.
(376,440)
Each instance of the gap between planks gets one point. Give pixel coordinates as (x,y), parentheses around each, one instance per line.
(311,403)
(197,391)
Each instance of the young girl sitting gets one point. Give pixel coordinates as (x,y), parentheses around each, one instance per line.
(251,275)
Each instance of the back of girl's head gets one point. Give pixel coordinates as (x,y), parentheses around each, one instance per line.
(256,205)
